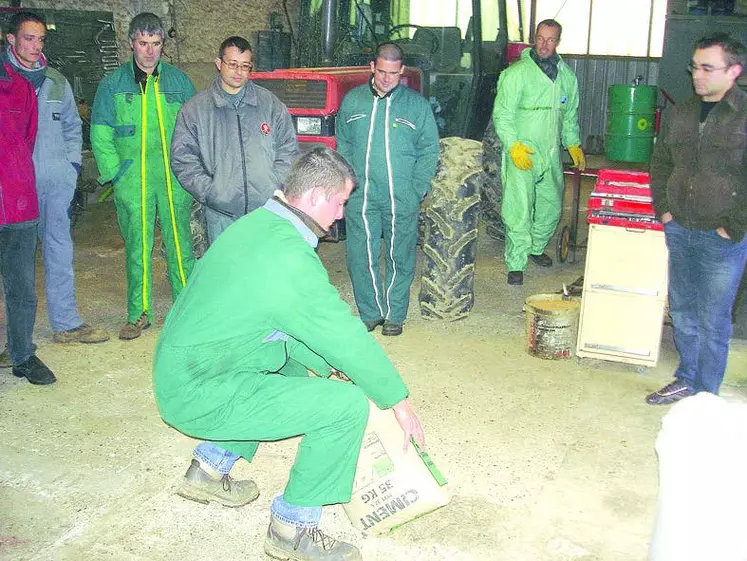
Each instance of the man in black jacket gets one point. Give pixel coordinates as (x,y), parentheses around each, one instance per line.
(700,192)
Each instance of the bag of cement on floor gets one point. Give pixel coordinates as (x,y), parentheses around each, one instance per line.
(702,448)
(392,486)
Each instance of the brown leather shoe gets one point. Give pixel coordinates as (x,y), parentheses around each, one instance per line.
(200,486)
(131,331)
(82,334)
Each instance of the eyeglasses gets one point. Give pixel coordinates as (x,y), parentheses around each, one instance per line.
(233,65)
(706,68)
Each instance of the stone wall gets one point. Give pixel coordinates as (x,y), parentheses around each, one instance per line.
(199,26)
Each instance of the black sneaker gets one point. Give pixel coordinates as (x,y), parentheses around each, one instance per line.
(391,329)
(373,324)
(670,393)
(35,371)
(541,260)
(515,277)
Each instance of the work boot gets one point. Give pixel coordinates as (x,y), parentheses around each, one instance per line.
(82,334)
(35,371)
(5,361)
(131,331)
(670,393)
(286,541)
(543,260)
(515,277)
(203,487)
(373,324)
(391,329)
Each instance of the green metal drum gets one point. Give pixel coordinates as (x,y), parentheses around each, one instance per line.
(631,111)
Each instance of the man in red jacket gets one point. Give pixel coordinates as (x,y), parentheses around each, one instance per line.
(19,216)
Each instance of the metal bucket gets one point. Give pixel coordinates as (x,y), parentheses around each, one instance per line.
(631,113)
(552,325)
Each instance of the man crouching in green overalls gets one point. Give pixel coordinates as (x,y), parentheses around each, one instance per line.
(231,365)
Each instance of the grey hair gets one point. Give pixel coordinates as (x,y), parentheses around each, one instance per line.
(319,167)
(147,24)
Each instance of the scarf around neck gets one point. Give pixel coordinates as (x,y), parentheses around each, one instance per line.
(34,75)
(548,66)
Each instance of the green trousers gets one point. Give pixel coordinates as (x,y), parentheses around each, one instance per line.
(240,408)
(364,230)
(531,206)
(137,203)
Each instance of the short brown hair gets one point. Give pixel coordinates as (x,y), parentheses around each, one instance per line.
(550,23)
(319,167)
(733,49)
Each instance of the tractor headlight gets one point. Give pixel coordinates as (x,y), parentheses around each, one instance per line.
(309,125)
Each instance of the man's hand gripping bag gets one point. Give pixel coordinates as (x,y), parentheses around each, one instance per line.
(391,486)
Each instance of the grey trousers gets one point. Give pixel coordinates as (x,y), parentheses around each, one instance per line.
(57,250)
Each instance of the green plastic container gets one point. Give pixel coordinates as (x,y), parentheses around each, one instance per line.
(631,111)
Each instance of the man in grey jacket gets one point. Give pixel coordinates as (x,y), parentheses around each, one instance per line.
(233,143)
(57,162)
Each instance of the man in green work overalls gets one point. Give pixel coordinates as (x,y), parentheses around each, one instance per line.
(535,112)
(389,135)
(232,362)
(133,119)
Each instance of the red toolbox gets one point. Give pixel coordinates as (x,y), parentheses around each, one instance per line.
(623,198)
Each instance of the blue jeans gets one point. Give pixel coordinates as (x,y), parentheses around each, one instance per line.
(704,275)
(17,267)
(222,461)
(302,516)
(216,457)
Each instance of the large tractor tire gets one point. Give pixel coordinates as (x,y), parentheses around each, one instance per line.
(491,192)
(198,228)
(198,231)
(450,240)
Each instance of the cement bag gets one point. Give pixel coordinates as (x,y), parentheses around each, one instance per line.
(702,512)
(392,487)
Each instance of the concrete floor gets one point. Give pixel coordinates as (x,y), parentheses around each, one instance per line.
(547,460)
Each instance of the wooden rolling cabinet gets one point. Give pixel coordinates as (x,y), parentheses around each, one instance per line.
(625,289)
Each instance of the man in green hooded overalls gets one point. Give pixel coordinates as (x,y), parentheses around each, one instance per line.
(535,111)
(133,119)
(231,363)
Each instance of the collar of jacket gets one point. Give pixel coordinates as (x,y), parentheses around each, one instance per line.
(309,228)
(34,74)
(3,71)
(140,75)
(390,93)
(250,95)
(10,56)
(735,98)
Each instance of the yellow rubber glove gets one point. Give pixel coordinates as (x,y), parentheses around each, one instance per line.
(579,160)
(520,155)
